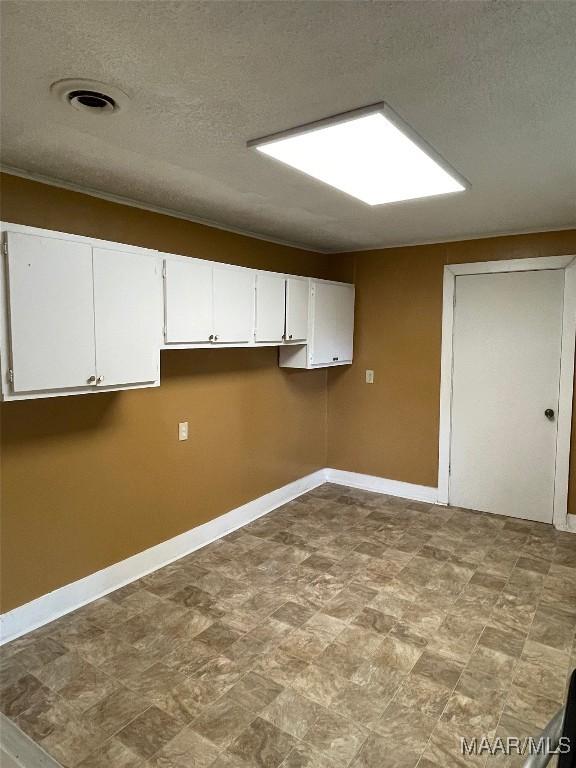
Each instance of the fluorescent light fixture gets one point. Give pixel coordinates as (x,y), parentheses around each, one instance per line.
(369,153)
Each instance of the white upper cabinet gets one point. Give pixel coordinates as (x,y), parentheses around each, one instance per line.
(234,297)
(270,307)
(330,328)
(79,315)
(128,317)
(297,293)
(51,313)
(333,323)
(188,297)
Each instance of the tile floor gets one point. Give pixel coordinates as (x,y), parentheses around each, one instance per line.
(344,629)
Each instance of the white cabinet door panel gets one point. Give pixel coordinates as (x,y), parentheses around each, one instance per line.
(333,323)
(270,307)
(188,297)
(233,304)
(297,293)
(128,316)
(51,311)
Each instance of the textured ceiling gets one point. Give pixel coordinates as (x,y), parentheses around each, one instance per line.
(491,85)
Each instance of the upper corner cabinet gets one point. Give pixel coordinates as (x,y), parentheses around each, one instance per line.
(76,318)
(330,328)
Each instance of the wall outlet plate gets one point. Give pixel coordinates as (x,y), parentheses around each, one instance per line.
(369,377)
(183,430)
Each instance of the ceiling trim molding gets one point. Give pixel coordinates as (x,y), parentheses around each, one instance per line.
(122,200)
(459,239)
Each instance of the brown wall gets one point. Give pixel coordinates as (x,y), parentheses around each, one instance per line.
(390,428)
(89,480)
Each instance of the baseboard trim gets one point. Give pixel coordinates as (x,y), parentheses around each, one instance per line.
(61,601)
(72,596)
(18,750)
(382,485)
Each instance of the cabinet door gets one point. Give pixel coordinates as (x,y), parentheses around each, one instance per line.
(233,304)
(270,307)
(297,292)
(188,301)
(333,324)
(51,310)
(128,316)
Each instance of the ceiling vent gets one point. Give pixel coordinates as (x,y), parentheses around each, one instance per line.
(89,96)
(91,100)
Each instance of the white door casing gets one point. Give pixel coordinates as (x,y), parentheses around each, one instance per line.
(51,309)
(561,283)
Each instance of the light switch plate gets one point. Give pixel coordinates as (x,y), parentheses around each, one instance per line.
(183,430)
(369,377)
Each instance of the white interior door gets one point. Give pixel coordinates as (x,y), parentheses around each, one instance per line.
(188,301)
(297,293)
(506,372)
(233,304)
(270,307)
(333,323)
(51,313)
(128,316)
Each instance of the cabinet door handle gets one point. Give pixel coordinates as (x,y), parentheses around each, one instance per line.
(100,379)
(91,379)
(215,337)
(211,337)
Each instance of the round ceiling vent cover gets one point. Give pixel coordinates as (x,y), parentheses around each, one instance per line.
(90,96)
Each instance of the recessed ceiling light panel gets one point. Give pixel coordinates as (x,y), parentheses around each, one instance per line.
(369,153)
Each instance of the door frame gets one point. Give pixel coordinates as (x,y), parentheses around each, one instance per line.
(561,474)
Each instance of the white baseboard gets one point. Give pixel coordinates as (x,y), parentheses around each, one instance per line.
(382,485)
(18,750)
(49,607)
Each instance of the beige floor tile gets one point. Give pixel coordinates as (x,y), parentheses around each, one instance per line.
(286,642)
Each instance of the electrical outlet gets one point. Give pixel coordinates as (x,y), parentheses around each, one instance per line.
(369,377)
(183,430)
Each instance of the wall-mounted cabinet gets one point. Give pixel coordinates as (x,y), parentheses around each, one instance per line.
(270,308)
(207,303)
(79,315)
(76,317)
(330,328)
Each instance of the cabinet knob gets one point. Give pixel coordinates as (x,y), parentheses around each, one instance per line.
(91,379)
(100,379)
(290,336)
(211,337)
(215,337)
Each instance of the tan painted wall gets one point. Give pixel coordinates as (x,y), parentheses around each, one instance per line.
(390,428)
(89,480)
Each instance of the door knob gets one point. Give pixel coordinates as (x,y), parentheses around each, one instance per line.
(549,413)
(91,379)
